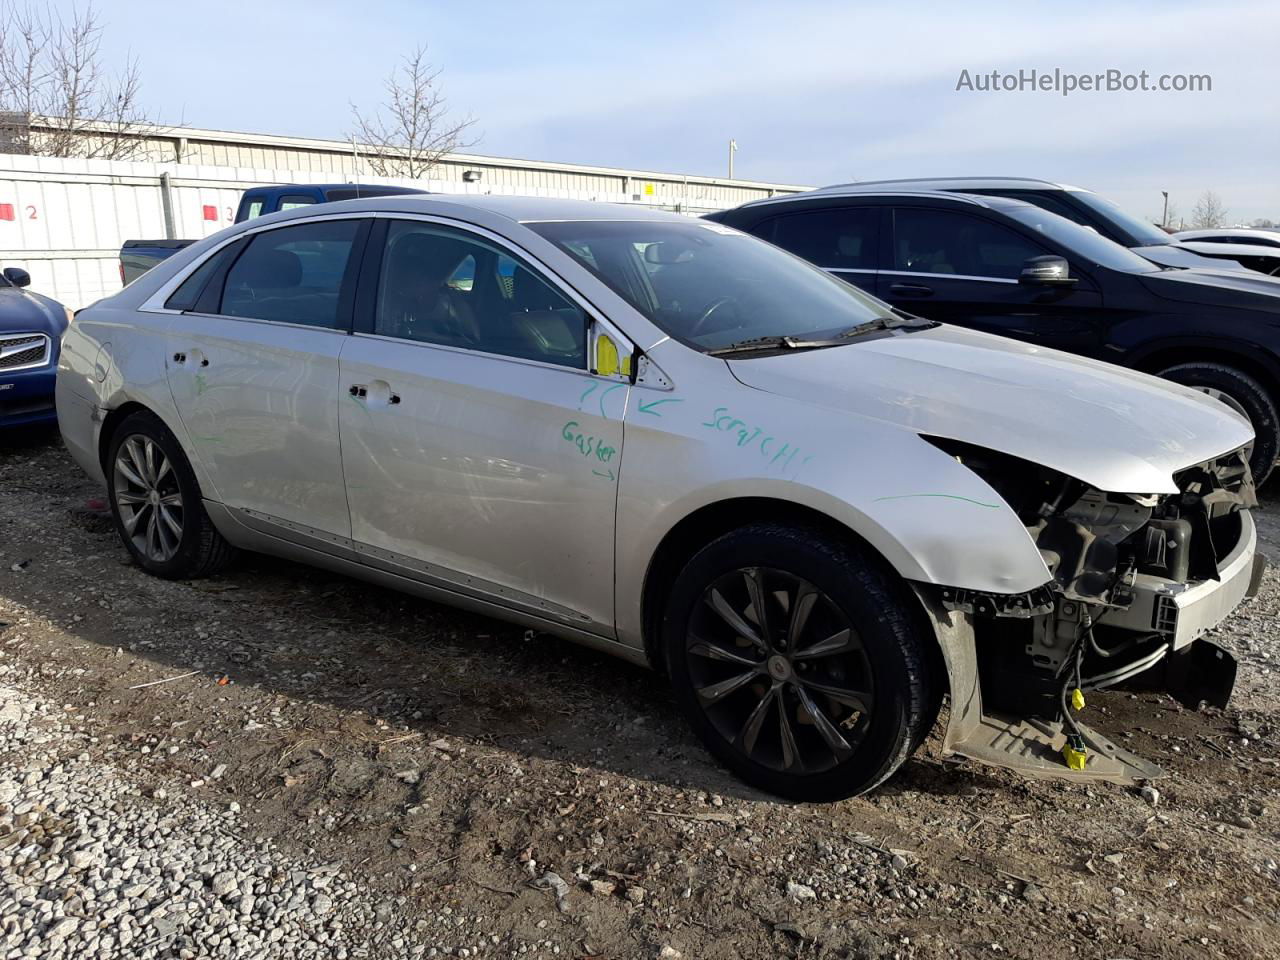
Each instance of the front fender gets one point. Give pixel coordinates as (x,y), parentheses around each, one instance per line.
(931,518)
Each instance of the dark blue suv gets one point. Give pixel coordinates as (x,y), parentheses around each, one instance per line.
(31,328)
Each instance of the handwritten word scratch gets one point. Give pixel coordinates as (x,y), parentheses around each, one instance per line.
(780,454)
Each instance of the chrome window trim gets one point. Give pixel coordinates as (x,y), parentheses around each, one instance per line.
(472,352)
(850,270)
(45,357)
(155,302)
(948,276)
(258,320)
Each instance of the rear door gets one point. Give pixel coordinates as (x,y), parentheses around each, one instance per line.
(253,368)
(962,267)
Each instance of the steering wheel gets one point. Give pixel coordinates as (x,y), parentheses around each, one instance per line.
(708,313)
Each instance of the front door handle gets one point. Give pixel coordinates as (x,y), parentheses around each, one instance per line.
(911,290)
(358,390)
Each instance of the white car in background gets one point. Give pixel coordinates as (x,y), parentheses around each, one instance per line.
(1252,236)
(672,441)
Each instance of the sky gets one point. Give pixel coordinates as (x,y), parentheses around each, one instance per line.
(812,92)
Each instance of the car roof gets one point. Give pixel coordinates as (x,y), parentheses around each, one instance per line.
(518,209)
(945,196)
(955,183)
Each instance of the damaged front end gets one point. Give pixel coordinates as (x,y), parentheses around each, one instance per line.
(1136,581)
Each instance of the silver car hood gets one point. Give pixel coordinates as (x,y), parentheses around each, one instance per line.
(1115,429)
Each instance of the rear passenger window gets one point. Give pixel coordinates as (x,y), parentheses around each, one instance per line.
(185,297)
(292,275)
(447,287)
(843,238)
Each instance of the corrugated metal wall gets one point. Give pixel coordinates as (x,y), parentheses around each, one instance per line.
(65,220)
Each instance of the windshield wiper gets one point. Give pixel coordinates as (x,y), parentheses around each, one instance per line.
(755,344)
(878,323)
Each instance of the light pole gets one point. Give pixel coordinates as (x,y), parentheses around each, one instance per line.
(733,148)
(1164,220)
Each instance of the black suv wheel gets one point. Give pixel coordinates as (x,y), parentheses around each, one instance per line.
(1247,397)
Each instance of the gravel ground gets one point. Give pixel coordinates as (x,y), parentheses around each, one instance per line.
(280,762)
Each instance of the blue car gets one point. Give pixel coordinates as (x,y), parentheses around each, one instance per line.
(31,328)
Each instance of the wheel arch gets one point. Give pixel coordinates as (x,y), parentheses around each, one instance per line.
(703,525)
(111,422)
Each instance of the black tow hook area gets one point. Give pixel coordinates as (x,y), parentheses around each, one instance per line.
(1204,672)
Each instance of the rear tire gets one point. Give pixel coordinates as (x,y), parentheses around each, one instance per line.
(1243,394)
(817,707)
(155,501)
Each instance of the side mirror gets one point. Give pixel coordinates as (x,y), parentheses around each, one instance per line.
(17,276)
(1046,271)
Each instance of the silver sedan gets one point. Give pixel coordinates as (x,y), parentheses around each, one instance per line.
(674,442)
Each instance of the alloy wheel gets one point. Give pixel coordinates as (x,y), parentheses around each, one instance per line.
(779,670)
(148,498)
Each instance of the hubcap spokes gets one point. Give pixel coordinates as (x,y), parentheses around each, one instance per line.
(148,498)
(779,670)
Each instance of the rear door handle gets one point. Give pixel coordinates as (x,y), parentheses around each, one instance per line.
(382,392)
(911,290)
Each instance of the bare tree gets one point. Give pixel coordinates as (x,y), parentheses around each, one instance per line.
(1208,212)
(57,98)
(413,130)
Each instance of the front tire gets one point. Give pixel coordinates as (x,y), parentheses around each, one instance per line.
(1247,397)
(156,503)
(798,661)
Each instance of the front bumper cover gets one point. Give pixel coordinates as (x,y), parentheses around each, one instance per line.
(1183,612)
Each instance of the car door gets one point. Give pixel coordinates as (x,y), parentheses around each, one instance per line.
(481,454)
(962,267)
(843,240)
(253,366)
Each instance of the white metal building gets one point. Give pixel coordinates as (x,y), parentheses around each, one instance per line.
(64,220)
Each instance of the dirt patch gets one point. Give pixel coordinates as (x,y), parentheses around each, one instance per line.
(451,763)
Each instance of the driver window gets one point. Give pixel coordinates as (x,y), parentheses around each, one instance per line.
(444,286)
(941,242)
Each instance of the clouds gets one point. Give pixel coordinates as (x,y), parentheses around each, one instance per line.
(813,92)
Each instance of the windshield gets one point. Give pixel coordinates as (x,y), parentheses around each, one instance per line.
(710,286)
(1144,234)
(1086,244)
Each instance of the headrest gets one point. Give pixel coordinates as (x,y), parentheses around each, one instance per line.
(272,269)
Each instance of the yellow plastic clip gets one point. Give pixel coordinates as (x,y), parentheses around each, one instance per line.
(1075,753)
(1077,698)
